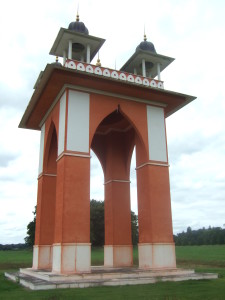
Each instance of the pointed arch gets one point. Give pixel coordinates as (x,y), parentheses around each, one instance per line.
(51,150)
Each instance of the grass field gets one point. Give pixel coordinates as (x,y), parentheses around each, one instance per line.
(201,258)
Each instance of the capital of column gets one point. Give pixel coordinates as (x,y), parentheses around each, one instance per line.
(72,154)
(47,175)
(152,164)
(116,180)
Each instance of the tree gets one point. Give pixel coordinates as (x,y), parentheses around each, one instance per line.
(29,239)
(97,224)
(134,228)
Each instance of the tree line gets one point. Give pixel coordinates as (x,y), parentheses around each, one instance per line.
(209,236)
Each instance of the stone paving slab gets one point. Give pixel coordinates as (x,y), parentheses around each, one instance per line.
(100,276)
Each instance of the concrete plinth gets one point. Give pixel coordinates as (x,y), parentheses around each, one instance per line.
(156,256)
(71,258)
(42,257)
(101,276)
(118,255)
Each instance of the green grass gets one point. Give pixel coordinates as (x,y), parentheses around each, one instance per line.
(204,255)
(202,258)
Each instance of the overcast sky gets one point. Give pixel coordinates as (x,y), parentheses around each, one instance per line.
(190,31)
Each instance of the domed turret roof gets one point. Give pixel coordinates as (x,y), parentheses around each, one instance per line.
(146,46)
(78,26)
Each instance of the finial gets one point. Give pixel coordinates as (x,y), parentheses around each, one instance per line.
(145,38)
(57,59)
(78,18)
(98,63)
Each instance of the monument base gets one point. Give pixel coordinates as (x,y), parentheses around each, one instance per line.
(156,255)
(42,257)
(118,255)
(69,258)
(101,276)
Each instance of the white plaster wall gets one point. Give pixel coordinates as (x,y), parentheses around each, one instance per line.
(123,256)
(156,256)
(78,122)
(62,118)
(68,258)
(156,134)
(83,258)
(56,258)
(164,255)
(145,256)
(35,257)
(45,257)
(108,256)
(41,153)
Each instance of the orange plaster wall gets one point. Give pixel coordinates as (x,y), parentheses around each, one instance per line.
(38,212)
(154,208)
(117,214)
(45,210)
(73,200)
(101,106)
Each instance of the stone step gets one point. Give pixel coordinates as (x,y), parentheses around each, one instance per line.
(43,280)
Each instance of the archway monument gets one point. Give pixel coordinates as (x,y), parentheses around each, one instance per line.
(79,106)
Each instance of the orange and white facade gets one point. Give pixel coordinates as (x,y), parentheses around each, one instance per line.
(79,107)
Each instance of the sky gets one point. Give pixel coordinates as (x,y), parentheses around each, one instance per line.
(190,31)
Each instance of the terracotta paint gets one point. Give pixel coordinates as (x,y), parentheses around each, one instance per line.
(81,107)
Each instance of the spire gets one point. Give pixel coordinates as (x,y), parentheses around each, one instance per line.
(57,59)
(145,38)
(77,17)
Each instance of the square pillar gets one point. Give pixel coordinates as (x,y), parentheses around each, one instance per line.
(156,255)
(70,258)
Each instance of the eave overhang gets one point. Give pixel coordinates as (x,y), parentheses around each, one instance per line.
(56,79)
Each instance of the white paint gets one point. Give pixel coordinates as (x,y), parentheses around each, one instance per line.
(41,154)
(56,258)
(88,54)
(156,256)
(35,257)
(70,50)
(143,68)
(158,71)
(108,256)
(42,257)
(118,255)
(64,57)
(71,258)
(83,258)
(62,118)
(156,134)
(78,122)
(45,257)
(68,258)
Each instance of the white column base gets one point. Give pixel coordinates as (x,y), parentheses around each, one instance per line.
(118,255)
(71,258)
(156,256)
(42,257)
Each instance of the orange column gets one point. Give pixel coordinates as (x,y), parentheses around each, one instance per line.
(156,247)
(45,221)
(71,249)
(118,241)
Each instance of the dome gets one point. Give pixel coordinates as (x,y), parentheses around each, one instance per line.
(78,26)
(146,46)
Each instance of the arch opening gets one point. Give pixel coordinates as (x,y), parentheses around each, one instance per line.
(113,145)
